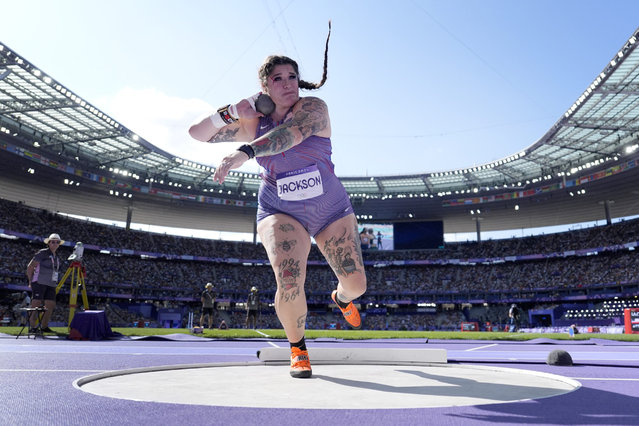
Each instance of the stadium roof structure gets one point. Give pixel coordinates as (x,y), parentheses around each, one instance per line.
(597,137)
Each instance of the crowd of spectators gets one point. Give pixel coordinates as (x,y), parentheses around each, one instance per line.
(169,277)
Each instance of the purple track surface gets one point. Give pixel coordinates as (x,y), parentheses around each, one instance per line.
(37,383)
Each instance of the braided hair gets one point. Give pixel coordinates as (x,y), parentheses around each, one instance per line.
(272,61)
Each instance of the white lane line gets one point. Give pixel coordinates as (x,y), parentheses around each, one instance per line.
(266,335)
(481,347)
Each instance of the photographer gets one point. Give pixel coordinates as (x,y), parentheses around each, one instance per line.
(43,273)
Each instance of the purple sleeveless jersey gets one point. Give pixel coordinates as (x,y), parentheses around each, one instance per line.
(311,158)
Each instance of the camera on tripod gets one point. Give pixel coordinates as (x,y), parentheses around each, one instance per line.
(78,251)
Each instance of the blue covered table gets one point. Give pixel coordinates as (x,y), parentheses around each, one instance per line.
(90,325)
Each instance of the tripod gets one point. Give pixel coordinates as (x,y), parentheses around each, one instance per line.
(77,273)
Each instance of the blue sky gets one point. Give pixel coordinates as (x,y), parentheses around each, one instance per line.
(414,86)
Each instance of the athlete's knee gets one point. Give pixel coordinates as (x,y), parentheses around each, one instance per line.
(291,274)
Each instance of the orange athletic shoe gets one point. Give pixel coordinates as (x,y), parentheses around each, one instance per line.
(300,364)
(351,314)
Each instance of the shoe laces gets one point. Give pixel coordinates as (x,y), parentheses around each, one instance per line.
(299,358)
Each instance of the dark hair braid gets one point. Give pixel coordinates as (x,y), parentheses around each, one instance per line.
(312,86)
(270,62)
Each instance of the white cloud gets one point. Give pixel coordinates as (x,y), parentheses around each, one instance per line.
(164,121)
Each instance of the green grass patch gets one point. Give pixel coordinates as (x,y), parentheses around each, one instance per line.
(236,333)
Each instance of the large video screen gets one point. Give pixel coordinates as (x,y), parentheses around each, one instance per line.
(381,236)
(418,235)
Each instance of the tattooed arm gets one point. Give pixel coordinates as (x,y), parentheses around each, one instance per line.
(204,131)
(309,117)
(242,130)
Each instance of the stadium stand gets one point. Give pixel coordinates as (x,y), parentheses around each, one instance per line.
(135,274)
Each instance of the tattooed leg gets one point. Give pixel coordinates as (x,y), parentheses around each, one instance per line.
(339,243)
(287,244)
(342,254)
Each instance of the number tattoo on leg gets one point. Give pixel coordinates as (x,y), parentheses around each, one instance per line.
(289,272)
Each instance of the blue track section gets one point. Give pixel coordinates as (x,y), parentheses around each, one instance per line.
(38,376)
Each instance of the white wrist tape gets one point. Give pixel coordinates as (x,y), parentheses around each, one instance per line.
(219,122)
(233,112)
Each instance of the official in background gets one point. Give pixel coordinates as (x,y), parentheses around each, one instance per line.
(252,308)
(514,316)
(43,273)
(208,305)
